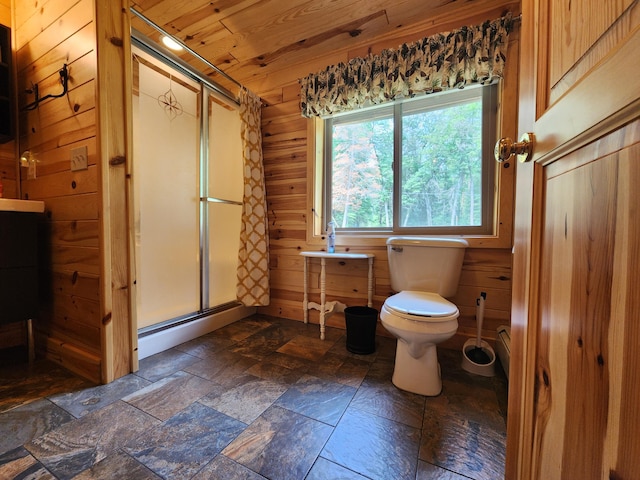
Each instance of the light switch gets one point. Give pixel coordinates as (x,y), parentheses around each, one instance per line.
(79,158)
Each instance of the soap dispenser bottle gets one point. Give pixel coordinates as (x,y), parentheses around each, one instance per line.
(331,237)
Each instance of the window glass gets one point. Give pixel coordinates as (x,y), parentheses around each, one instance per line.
(441,179)
(418,166)
(362,174)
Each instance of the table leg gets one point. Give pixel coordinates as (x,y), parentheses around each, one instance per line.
(323,285)
(305,300)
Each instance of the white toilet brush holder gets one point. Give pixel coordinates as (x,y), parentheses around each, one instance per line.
(477,355)
(485,370)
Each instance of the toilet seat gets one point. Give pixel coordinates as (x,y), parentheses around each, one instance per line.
(421,307)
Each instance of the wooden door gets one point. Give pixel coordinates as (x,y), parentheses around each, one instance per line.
(574,393)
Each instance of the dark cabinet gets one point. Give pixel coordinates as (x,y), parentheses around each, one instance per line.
(18,266)
(20,221)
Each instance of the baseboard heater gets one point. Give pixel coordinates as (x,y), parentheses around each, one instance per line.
(503,347)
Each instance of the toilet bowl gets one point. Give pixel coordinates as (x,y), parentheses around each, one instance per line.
(423,271)
(420,321)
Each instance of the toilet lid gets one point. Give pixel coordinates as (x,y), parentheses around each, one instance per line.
(431,306)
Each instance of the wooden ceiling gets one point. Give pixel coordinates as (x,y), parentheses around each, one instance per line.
(265,44)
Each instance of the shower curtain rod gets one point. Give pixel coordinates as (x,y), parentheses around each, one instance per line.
(188,49)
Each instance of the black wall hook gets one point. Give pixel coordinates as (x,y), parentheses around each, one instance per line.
(64,79)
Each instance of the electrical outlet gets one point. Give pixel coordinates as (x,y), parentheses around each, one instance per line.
(79,158)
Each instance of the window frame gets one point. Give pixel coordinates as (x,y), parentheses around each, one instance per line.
(396,110)
(502,237)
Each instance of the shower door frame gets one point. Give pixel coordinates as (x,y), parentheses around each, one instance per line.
(176,330)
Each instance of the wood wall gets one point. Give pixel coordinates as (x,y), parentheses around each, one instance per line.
(59,32)
(84,323)
(288,150)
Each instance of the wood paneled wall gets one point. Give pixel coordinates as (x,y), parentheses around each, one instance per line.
(84,323)
(57,33)
(288,163)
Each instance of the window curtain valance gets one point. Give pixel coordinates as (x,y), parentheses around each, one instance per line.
(442,61)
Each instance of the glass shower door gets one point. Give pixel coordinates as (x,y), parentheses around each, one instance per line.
(165,185)
(222,200)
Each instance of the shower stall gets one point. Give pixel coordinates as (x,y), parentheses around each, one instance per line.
(187,188)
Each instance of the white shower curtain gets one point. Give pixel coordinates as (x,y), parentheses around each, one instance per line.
(253,257)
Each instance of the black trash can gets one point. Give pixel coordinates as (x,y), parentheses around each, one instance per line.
(361,329)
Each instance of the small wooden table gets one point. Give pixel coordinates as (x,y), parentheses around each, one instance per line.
(325,308)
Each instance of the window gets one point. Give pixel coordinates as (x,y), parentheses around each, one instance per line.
(421,166)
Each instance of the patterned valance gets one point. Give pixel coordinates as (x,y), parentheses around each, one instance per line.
(445,60)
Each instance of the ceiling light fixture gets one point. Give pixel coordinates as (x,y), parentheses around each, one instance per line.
(171,43)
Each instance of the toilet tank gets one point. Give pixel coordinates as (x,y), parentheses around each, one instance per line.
(426,264)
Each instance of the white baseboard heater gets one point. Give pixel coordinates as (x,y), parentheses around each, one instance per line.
(503,346)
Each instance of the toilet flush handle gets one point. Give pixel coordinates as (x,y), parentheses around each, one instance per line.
(397,249)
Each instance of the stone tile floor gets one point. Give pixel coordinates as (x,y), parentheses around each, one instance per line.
(260,398)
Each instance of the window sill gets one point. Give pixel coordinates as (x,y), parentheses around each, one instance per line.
(344,242)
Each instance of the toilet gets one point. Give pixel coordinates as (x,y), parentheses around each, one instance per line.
(423,271)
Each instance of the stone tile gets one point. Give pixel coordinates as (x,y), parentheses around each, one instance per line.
(222,368)
(24,383)
(340,348)
(392,403)
(312,330)
(323,469)
(280,444)
(340,369)
(23,424)
(379,374)
(242,329)
(386,348)
(260,345)
(305,347)
(426,471)
(205,346)
(119,465)
(20,464)
(373,446)
(318,399)
(78,445)
(467,447)
(186,442)
(469,402)
(164,363)
(224,468)
(468,418)
(247,400)
(292,328)
(168,396)
(81,402)
(289,361)
(275,373)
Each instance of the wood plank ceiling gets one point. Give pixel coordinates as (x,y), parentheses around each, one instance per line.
(268,43)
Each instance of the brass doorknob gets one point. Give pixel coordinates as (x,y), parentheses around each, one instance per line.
(505,148)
